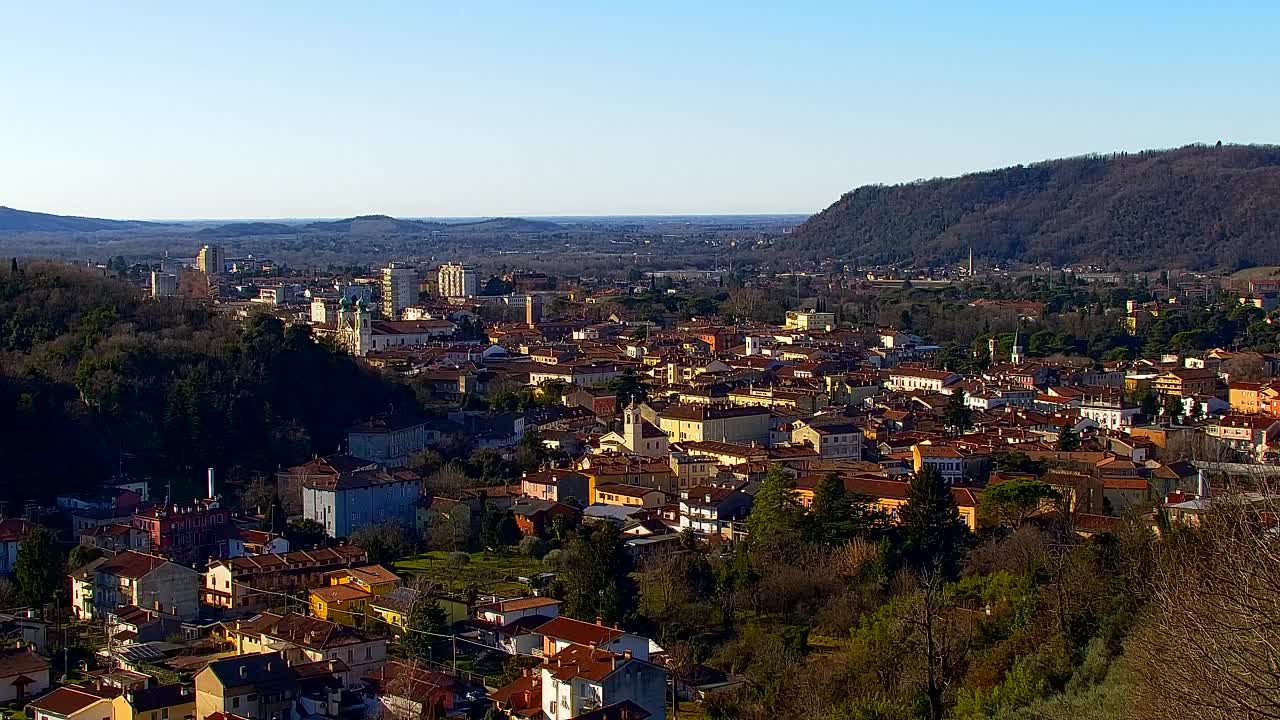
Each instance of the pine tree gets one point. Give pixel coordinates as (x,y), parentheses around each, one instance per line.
(774,508)
(39,567)
(933,533)
(596,576)
(959,416)
(427,616)
(830,510)
(1068,439)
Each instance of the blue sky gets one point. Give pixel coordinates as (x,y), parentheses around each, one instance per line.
(277,109)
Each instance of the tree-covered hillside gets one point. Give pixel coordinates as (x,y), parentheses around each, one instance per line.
(1195,207)
(88,371)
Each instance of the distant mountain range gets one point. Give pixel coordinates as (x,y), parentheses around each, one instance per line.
(1194,207)
(12,220)
(248,228)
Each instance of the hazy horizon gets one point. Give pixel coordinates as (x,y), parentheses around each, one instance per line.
(289,110)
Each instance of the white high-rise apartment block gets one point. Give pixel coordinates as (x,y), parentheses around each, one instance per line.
(399,290)
(457,280)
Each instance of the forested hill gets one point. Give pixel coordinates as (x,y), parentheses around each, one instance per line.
(1195,207)
(12,220)
(88,372)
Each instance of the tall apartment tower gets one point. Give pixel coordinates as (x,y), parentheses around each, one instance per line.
(457,280)
(163,284)
(532,310)
(399,290)
(211,260)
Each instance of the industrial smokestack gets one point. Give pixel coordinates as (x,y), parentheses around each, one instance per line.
(211,488)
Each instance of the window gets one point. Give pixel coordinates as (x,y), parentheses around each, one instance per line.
(164,714)
(368,652)
(235,702)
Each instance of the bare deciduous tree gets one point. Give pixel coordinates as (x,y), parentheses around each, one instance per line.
(1210,649)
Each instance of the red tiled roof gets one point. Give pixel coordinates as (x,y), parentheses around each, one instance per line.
(578,632)
(582,661)
(527,603)
(131,564)
(15,662)
(66,701)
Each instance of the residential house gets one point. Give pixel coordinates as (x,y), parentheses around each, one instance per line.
(912,379)
(581,679)
(1112,413)
(341,604)
(344,502)
(12,532)
(627,495)
(512,625)
(133,578)
(712,511)
(190,533)
(160,702)
(1251,434)
(72,703)
(23,674)
(948,461)
(562,632)
(260,686)
(254,582)
(1183,382)
(255,542)
(405,691)
(305,639)
(117,537)
(1245,397)
(387,439)
(555,484)
(502,612)
(689,470)
(536,516)
(829,439)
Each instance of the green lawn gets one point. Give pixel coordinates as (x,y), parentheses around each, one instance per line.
(490,573)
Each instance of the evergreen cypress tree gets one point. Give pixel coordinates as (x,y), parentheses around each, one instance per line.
(933,534)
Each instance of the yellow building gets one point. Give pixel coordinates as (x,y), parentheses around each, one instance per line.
(162,702)
(341,604)
(627,495)
(373,579)
(1245,397)
(889,495)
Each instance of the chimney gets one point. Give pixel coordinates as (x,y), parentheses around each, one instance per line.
(599,620)
(626,654)
(333,666)
(184,691)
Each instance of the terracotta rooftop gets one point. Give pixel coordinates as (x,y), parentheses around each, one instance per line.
(579,632)
(582,661)
(526,603)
